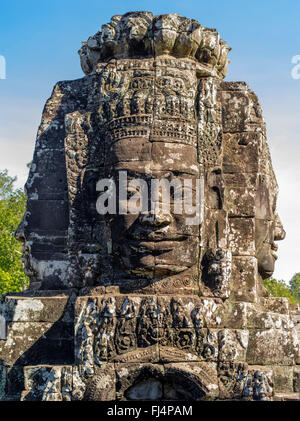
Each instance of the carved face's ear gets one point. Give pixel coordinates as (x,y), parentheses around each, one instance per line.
(215,189)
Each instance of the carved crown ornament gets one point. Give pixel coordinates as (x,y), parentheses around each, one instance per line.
(140,34)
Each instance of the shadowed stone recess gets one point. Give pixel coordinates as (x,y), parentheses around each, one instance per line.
(145,306)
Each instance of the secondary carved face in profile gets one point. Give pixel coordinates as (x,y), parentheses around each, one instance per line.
(156,241)
(268,227)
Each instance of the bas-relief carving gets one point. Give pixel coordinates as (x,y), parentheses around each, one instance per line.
(135,323)
(152,290)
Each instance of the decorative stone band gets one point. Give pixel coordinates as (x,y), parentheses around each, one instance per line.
(140,34)
(137,126)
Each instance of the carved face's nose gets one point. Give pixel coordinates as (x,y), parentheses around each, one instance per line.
(279,233)
(156,218)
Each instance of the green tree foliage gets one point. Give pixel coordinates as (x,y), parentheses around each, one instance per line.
(295,285)
(279,288)
(12,207)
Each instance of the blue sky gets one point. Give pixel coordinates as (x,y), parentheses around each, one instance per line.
(40,40)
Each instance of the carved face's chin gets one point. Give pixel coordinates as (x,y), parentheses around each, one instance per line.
(163,269)
(154,269)
(155,258)
(147,266)
(266,263)
(27,261)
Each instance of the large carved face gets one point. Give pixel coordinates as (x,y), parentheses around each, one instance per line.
(268,227)
(30,266)
(157,241)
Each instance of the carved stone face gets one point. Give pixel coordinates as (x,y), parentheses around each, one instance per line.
(155,242)
(268,228)
(30,268)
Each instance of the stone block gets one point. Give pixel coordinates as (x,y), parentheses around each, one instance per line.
(100,386)
(240,180)
(2,327)
(267,320)
(234,110)
(48,383)
(48,215)
(15,382)
(258,384)
(138,374)
(283,379)
(37,309)
(32,342)
(296,379)
(3,379)
(233,344)
(277,304)
(271,347)
(286,397)
(203,374)
(241,236)
(244,278)
(238,313)
(239,201)
(241,152)
(231,378)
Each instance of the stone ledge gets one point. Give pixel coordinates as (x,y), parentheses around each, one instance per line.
(287,397)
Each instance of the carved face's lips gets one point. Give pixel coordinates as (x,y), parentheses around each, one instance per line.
(271,248)
(152,245)
(274,248)
(157,245)
(156,237)
(267,274)
(274,255)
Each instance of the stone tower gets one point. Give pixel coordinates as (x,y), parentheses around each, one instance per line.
(143,305)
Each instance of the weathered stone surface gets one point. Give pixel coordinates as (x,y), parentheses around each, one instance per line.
(233,344)
(37,309)
(241,236)
(35,348)
(271,347)
(238,381)
(2,327)
(50,383)
(15,382)
(97,385)
(250,316)
(136,323)
(283,379)
(267,320)
(198,381)
(296,379)
(3,377)
(232,378)
(259,384)
(244,278)
(237,315)
(204,374)
(277,304)
(162,297)
(286,397)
